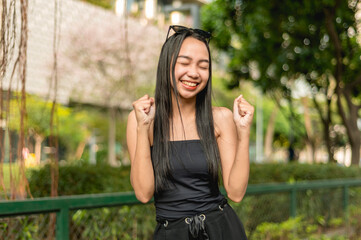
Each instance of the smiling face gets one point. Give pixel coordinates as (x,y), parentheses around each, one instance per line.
(191,68)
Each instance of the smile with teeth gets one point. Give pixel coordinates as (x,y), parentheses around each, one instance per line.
(191,84)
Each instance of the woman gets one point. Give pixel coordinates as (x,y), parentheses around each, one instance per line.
(178,143)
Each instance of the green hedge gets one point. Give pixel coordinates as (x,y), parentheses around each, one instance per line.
(82,178)
(289,172)
(318,207)
(101,178)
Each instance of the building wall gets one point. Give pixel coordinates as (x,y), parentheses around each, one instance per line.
(164,12)
(99,36)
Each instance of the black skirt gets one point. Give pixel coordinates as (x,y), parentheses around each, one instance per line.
(218,224)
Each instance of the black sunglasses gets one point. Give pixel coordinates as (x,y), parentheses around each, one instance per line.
(181,29)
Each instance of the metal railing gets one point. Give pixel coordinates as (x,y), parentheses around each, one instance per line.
(62,205)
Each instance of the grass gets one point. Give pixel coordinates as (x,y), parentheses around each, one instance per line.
(6,174)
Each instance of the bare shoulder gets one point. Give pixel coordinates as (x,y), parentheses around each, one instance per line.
(223,119)
(221,114)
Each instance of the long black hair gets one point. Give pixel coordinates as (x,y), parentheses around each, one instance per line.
(164,113)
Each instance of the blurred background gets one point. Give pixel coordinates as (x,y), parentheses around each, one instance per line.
(70,70)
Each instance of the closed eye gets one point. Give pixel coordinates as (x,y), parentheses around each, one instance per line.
(204,66)
(183,62)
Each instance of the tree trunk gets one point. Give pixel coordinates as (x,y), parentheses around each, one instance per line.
(355,141)
(308,125)
(355,150)
(38,141)
(348,111)
(329,145)
(111,137)
(350,123)
(353,134)
(311,151)
(80,150)
(269,134)
(327,125)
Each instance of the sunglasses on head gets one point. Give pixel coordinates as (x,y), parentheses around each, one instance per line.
(181,29)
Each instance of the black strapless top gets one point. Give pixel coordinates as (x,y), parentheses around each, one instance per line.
(192,190)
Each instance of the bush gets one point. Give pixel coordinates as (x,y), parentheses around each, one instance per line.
(289,172)
(292,229)
(318,207)
(123,222)
(82,178)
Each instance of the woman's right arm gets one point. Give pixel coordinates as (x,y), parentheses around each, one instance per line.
(140,122)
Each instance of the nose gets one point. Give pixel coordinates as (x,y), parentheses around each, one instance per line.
(193,73)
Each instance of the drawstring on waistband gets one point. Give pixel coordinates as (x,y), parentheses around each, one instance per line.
(196,227)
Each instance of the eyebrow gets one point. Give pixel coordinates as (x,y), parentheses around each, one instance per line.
(189,58)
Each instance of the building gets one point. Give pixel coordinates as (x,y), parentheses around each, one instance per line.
(101,57)
(164,12)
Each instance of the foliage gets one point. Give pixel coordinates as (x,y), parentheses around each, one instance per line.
(114,223)
(107,4)
(277,46)
(223,96)
(25,227)
(6,174)
(38,115)
(108,64)
(98,123)
(80,178)
(355,219)
(285,40)
(84,178)
(282,172)
(315,205)
(105,223)
(73,125)
(73,128)
(255,210)
(292,229)
(321,208)
(70,126)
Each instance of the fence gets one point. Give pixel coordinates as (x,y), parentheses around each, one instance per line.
(62,206)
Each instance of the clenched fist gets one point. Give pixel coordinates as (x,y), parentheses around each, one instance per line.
(242,113)
(144,109)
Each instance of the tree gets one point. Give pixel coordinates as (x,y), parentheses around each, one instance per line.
(276,126)
(278,43)
(107,4)
(72,127)
(106,63)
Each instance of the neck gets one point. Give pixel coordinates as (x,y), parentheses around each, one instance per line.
(187,107)
(183,122)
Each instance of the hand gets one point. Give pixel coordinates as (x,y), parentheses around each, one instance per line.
(242,113)
(144,109)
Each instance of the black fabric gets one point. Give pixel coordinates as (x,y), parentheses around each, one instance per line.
(219,224)
(193,208)
(196,227)
(192,191)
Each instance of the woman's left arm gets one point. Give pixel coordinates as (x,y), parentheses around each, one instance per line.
(233,142)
